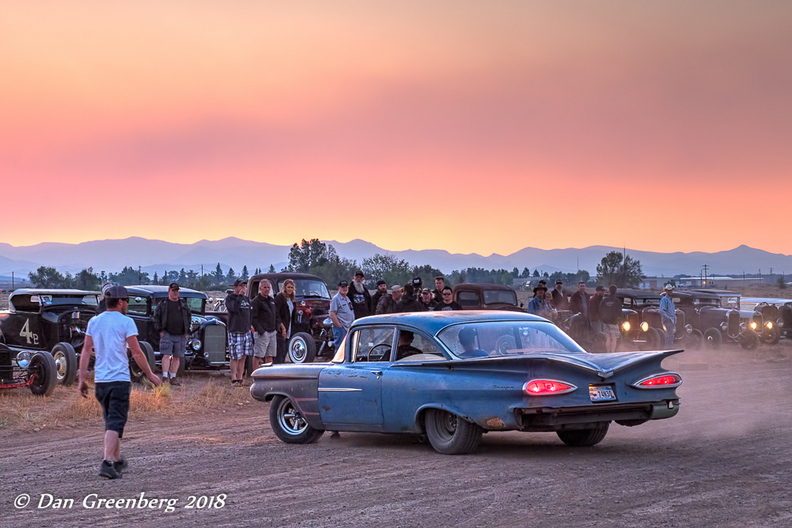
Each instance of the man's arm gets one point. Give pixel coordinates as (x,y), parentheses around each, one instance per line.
(334,318)
(85,359)
(140,359)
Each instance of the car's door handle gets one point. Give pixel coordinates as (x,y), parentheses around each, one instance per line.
(377,372)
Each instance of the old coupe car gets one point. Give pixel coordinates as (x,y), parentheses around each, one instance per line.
(49,320)
(206,348)
(455,375)
(486,296)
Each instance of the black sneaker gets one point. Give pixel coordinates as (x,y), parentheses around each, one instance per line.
(107,470)
(120,466)
(174,382)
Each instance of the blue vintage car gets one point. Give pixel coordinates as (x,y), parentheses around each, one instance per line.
(455,375)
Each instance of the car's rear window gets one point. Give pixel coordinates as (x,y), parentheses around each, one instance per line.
(308,289)
(506,338)
(500,296)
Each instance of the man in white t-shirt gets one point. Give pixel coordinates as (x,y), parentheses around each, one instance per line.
(108,335)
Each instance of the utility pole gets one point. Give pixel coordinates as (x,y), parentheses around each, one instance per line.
(138,274)
(12,281)
(706,271)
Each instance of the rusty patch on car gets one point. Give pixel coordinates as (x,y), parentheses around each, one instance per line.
(495,423)
(326,408)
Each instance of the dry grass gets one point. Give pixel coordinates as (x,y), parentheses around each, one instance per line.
(21,409)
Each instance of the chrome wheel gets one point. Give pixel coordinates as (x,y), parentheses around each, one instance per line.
(298,350)
(60,365)
(290,419)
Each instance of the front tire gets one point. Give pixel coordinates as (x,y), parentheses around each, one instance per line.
(450,434)
(749,340)
(696,338)
(713,338)
(774,338)
(652,339)
(301,348)
(42,367)
(288,423)
(584,437)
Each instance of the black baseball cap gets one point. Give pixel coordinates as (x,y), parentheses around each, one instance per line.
(239,282)
(343,283)
(173,286)
(381,282)
(359,273)
(116,292)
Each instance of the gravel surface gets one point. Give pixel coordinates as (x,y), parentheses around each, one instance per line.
(724,460)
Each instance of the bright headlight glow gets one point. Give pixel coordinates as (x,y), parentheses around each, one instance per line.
(644,326)
(626,326)
(753,325)
(769,325)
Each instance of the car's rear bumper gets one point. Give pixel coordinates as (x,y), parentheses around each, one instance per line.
(552,419)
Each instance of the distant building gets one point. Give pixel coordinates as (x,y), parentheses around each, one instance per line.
(657,283)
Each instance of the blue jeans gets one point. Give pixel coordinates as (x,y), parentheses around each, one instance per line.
(669,326)
(338,336)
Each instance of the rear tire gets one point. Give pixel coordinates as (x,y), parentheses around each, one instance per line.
(42,366)
(713,338)
(288,423)
(584,437)
(301,348)
(135,372)
(450,434)
(65,363)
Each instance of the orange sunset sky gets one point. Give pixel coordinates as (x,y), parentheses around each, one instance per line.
(467,126)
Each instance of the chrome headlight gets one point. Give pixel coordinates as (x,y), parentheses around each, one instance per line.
(644,326)
(195,344)
(689,328)
(753,325)
(626,326)
(327,323)
(23,359)
(769,325)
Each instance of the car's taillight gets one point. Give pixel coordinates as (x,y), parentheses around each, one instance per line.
(544,387)
(659,381)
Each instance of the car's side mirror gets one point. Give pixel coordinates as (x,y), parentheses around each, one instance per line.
(138,300)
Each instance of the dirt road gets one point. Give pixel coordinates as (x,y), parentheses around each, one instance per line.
(723,461)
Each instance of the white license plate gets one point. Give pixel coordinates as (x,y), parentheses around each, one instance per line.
(600,393)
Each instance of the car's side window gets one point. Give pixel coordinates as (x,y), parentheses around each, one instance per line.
(414,344)
(466,298)
(373,343)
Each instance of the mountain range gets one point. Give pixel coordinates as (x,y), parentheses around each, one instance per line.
(157,256)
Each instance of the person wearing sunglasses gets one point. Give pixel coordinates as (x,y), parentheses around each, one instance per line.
(448,301)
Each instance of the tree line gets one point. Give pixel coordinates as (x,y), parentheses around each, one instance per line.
(319,258)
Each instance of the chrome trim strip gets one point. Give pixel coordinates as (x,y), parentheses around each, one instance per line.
(338,389)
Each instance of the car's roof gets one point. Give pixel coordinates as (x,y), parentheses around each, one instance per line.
(716,292)
(482,286)
(155,290)
(50,291)
(433,322)
(283,276)
(641,294)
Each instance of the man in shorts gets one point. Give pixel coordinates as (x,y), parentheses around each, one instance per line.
(240,339)
(172,318)
(610,312)
(265,323)
(109,334)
